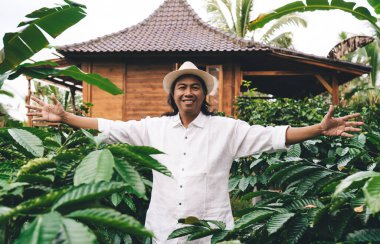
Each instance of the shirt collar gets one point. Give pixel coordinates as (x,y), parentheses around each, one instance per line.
(199,121)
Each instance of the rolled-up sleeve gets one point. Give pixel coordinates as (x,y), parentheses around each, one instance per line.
(248,140)
(131,132)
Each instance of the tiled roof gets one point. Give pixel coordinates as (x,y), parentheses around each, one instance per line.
(174,26)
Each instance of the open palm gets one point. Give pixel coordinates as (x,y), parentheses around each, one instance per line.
(46,112)
(339,126)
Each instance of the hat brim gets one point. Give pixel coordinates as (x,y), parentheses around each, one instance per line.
(172,76)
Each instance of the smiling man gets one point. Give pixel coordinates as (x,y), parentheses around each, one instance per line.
(199,148)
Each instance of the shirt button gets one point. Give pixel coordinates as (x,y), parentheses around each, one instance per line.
(185,137)
(180,186)
(183,169)
(184,153)
(179,203)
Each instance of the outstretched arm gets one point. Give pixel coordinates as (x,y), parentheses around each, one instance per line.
(55,113)
(329,126)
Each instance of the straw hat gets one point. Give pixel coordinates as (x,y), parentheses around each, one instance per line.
(188,68)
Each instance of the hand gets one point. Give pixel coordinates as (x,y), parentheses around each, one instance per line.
(339,126)
(47,112)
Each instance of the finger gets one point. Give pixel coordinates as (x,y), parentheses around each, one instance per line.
(330,112)
(34,114)
(353,129)
(55,101)
(359,123)
(34,107)
(351,116)
(39,119)
(38,101)
(344,134)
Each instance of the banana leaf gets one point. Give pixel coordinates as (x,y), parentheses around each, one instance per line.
(360,13)
(19,46)
(375,4)
(44,69)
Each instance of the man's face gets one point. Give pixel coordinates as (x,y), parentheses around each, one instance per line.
(189,95)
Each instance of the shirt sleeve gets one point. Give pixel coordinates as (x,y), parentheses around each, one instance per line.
(131,132)
(248,140)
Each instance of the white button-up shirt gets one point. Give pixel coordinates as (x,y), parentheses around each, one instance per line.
(199,158)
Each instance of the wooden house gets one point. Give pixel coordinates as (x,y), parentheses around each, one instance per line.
(137,58)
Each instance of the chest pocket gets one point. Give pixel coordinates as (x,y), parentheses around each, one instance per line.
(194,195)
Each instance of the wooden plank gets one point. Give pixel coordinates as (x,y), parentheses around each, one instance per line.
(144,91)
(276,73)
(324,83)
(335,92)
(107,105)
(316,63)
(237,82)
(220,89)
(228,88)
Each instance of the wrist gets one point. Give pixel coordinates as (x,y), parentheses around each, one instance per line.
(65,117)
(320,129)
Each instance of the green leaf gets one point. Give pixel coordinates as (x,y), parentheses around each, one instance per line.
(96,166)
(127,153)
(67,162)
(36,165)
(294,151)
(360,13)
(203,233)
(277,221)
(345,183)
(244,183)
(111,218)
(73,232)
(372,194)
(116,199)
(93,79)
(89,192)
(43,229)
(297,227)
(304,203)
(250,218)
(6,93)
(131,177)
(364,235)
(375,4)
(31,39)
(185,231)
(40,203)
(27,140)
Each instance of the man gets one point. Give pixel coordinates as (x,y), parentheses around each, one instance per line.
(199,148)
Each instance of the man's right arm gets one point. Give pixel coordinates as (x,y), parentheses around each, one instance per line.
(79,121)
(55,113)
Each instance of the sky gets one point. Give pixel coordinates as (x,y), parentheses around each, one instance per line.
(105,17)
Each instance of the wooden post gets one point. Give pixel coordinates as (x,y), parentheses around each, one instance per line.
(27,101)
(237,80)
(335,94)
(72,93)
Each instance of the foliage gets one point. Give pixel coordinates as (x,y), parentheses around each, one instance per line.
(21,46)
(321,190)
(53,177)
(233,17)
(360,13)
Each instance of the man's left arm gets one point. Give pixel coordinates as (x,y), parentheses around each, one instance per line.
(329,126)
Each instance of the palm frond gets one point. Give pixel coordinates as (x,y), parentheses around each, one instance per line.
(287,20)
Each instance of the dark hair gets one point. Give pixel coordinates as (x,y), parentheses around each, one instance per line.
(205,106)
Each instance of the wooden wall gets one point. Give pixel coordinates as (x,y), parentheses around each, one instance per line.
(142,85)
(144,93)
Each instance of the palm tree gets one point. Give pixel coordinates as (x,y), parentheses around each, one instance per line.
(234,16)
